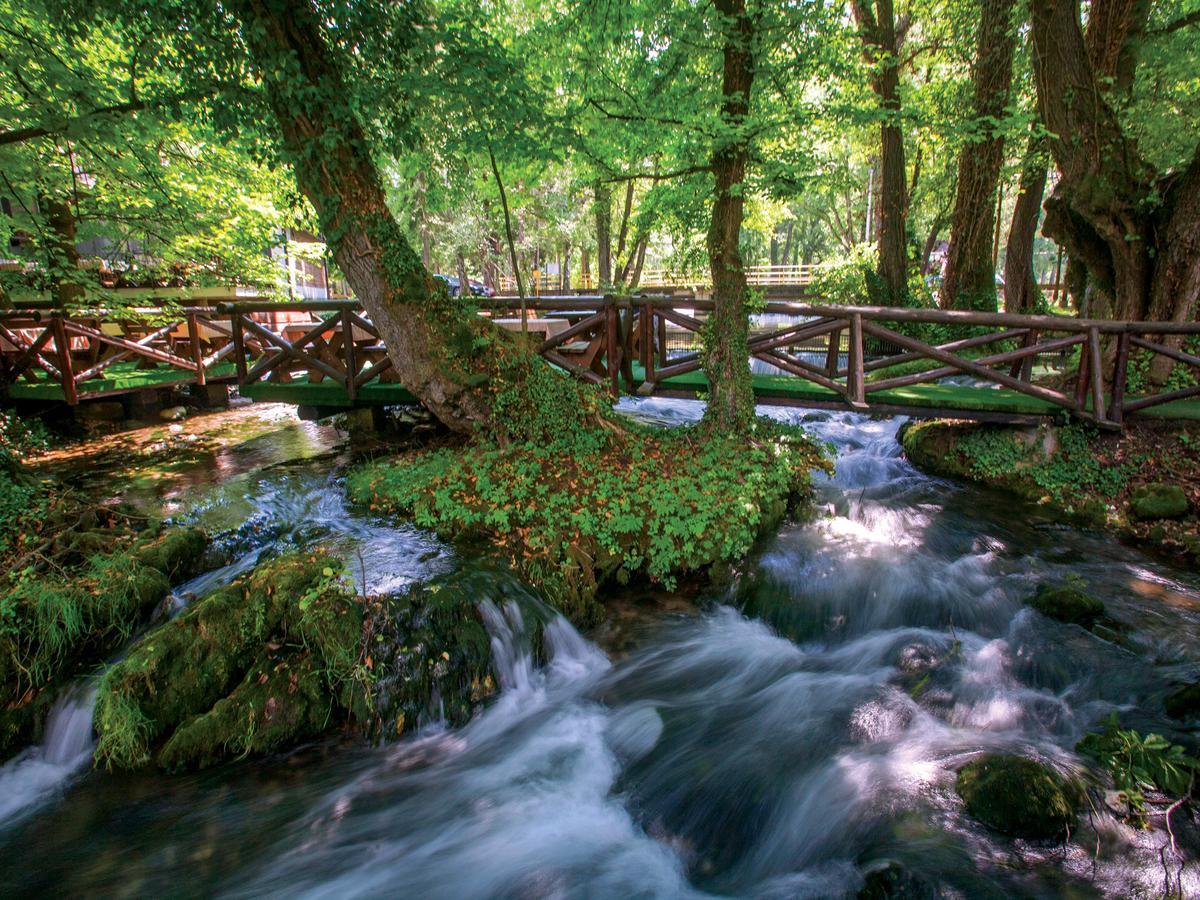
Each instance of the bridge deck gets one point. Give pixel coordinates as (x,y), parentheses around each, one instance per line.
(120,378)
(784,390)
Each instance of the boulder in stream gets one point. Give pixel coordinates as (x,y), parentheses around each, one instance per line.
(1067,603)
(1017,796)
(1158,501)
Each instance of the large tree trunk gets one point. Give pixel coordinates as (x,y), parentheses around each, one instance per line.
(881,48)
(1021,291)
(970,274)
(330,153)
(1134,231)
(725,356)
(602,195)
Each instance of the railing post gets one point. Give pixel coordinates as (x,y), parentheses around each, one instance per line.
(855,374)
(194,343)
(67,368)
(611,344)
(1116,410)
(351,356)
(1097,374)
(239,346)
(663,355)
(646,338)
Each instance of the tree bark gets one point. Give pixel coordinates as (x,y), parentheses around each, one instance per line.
(725,356)
(602,195)
(64,254)
(330,153)
(969,280)
(1134,230)
(881,49)
(1021,291)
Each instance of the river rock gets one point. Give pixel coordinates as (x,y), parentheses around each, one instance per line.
(1018,796)
(1067,604)
(173,414)
(1158,501)
(1184,703)
(892,881)
(101,411)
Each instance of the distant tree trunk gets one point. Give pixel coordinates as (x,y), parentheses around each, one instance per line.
(786,256)
(330,154)
(603,202)
(626,213)
(881,48)
(64,254)
(931,239)
(635,277)
(423,222)
(566,266)
(585,273)
(464,283)
(969,280)
(1021,291)
(725,355)
(508,233)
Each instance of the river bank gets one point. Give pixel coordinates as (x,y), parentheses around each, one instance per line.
(792,731)
(1142,485)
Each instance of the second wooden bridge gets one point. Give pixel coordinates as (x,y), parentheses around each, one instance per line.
(328,354)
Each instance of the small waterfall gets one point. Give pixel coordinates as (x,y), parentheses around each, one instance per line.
(39,771)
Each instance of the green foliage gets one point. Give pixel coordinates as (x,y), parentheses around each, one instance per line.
(579,508)
(1074,470)
(1139,763)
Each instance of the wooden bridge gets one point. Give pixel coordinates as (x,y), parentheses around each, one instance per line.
(328,354)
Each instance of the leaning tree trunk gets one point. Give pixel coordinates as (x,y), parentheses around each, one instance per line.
(970,275)
(330,153)
(881,48)
(64,255)
(1021,291)
(726,359)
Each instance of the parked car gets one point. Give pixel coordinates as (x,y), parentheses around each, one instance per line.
(477,289)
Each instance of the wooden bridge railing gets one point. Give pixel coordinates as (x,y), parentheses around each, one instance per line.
(645,342)
(72,350)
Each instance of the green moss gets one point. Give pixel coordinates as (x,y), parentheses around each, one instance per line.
(183,668)
(279,701)
(571,513)
(1058,466)
(1158,501)
(289,652)
(1067,603)
(177,553)
(1018,796)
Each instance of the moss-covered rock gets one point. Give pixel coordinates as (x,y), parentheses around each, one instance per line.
(182,669)
(290,652)
(1017,796)
(1158,501)
(1067,604)
(55,624)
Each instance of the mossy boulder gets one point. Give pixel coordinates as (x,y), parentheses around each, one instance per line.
(1158,501)
(1017,796)
(182,669)
(1067,604)
(290,652)
(53,625)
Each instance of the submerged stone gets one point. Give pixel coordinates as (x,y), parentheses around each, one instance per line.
(1066,604)
(892,881)
(1184,703)
(1017,796)
(1158,501)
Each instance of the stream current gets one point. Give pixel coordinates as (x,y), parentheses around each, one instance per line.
(779,738)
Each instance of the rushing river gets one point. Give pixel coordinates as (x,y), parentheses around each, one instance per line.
(778,738)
